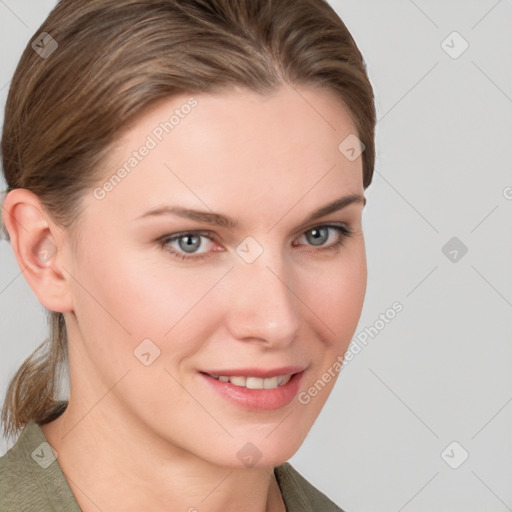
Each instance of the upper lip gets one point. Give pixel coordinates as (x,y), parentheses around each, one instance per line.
(261,373)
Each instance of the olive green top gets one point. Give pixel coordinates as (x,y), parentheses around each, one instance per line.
(31,479)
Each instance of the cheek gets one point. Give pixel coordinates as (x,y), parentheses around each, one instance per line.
(338,299)
(132,292)
(132,298)
(337,293)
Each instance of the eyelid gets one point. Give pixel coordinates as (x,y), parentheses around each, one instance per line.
(343,230)
(214,237)
(175,236)
(320,224)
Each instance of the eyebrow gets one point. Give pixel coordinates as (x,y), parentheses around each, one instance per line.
(217,219)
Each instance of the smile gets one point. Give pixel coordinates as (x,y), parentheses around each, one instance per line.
(254,382)
(256,389)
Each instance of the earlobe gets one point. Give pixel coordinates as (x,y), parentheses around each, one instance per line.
(33,240)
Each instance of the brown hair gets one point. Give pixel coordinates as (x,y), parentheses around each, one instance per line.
(116,57)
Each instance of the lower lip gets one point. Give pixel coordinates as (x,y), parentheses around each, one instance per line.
(258,399)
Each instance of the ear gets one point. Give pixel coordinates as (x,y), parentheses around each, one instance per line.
(37,245)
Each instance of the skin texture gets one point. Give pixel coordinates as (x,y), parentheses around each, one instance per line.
(156,437)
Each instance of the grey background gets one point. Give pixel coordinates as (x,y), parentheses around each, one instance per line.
(440,370)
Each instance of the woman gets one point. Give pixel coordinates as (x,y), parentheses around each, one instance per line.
(186,183)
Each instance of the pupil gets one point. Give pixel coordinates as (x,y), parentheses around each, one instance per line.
(189,247)
(317,238)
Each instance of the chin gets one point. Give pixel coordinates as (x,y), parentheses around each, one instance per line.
(269,450)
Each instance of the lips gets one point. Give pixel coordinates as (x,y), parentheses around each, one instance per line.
(255,388)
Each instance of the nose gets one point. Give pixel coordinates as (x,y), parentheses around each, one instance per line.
(262,305)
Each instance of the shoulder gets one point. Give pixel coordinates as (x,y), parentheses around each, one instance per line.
(30,477)
(18,485)
(300,495)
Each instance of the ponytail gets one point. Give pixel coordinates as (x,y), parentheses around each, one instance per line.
(32,392)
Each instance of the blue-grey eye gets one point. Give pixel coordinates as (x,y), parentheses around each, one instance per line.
(191,244)
(319,235)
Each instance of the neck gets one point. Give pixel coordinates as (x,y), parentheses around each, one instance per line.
(120,467)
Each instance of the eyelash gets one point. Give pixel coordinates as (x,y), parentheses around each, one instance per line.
(343,231)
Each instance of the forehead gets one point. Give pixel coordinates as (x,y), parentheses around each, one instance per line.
(238,145)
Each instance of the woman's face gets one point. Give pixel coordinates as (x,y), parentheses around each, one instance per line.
(274,296)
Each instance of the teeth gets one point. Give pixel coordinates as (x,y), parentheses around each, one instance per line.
(283,380)
(255,382)
(238,381)
(270,383)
